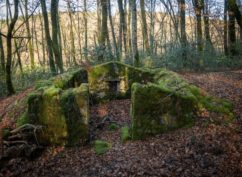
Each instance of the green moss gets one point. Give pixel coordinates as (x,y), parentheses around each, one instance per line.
(101,147)
(170,103)
(113,127)
(163,110)
(23,119)
(43,84)
(75,106)
(125,134)
(99,76)
(52,118)
(34,107)
(82,99)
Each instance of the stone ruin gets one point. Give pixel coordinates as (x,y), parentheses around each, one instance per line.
(161,101)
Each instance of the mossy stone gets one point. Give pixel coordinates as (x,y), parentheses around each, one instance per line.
(163,110)
(100,76)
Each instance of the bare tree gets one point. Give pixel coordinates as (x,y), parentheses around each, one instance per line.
(144,26)
(104,29)
(55,32)
(9,49)
(48,38)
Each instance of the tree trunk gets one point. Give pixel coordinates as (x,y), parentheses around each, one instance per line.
(235,11)
(198,6)
(30,44)
(209,44)
(135,53)
(226,50)
(232,33)
(144,27)
(55,33)
(2,56)
(85,30)
(182,9)
(116,51)
(9,49)
(104,29)
(122,28)
(73,49)
(47,36)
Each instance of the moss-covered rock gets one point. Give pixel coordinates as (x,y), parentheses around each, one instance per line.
(52,117)
(70,79)
(168,103)
(75,104)
(61,105)
(161,101)
(163,110)
(64,114)
(100,76)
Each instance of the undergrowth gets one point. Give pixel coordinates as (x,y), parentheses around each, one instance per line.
(23,80)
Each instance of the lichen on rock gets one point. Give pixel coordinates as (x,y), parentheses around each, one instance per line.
(61,106)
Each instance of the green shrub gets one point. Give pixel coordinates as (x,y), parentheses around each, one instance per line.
(113,127)
(101,147)
(125,134)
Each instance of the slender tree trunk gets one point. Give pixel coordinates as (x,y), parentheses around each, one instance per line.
(198,6)
(125,28)
(99,19)
(73,49)
(9,83)
(129,28)
(182,9)
(226,50)
(2,56)
(116,51)
(121,27)
(152,26)
(209,44)
(55,33)
(47,36)
(36,40)
(42,41)
(30,44)
(232,33)
(135,53)
(104,29)
(18,55)
(85,30)
(144,27)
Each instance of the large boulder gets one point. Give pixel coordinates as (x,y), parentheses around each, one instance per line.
(64,114)
(61,106)
(168,103)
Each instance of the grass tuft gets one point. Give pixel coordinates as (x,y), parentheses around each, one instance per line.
(101,147)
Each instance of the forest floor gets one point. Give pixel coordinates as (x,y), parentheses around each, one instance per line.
(210,148)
